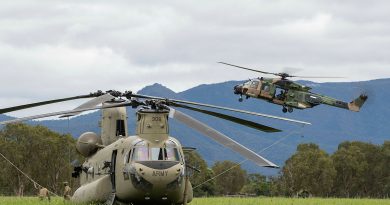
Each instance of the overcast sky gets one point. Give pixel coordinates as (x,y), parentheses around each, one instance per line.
(51,49)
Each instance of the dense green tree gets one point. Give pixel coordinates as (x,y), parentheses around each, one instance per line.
(229,182)
(42,154)
(277,187)
(203,186)
(361,170)
(257,184)
(385,170)
(309,169)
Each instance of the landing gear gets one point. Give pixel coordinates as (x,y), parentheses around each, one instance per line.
(240,99)
(287,109)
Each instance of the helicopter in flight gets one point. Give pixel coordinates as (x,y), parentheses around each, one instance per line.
(289,94)
(149,167)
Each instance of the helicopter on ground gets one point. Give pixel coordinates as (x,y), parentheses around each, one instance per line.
(289,94)
(149,167)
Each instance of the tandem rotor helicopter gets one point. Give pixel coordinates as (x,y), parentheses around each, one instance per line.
(149,167)
(289,94)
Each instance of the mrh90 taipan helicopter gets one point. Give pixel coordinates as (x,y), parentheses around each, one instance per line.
(148,168)
(289,94)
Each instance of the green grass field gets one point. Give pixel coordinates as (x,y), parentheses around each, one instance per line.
(287,201)
(221,201)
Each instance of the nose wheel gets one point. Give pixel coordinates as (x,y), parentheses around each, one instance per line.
(240,99)
(287,109)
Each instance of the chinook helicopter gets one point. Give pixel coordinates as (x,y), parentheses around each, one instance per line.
(149,167)
(289,94)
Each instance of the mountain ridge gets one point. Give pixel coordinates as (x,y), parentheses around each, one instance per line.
(330,125)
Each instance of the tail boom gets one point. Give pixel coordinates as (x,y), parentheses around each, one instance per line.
(355,105)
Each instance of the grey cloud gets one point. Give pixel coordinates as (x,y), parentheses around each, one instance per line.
(60,48)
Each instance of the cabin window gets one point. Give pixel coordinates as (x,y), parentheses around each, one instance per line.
(266,88)
(120,128)
(280,94)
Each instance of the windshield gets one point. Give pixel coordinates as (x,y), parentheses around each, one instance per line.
(248,83)
(254,84)
(142,152)
(172,154)
(156,153)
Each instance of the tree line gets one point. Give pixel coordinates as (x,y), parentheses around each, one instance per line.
(42,154)
(356,169)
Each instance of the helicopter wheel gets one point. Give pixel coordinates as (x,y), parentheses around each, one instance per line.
(284,109)
(240,99)
(290,110)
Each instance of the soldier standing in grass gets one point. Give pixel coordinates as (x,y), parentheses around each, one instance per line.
(67,191)
(43,193)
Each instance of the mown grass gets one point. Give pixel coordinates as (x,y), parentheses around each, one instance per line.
(220,201)
(288,201)
(32,201)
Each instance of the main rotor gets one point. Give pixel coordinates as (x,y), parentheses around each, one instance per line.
(282,75)
(114,99)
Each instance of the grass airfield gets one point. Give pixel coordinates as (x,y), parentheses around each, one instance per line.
(221,201)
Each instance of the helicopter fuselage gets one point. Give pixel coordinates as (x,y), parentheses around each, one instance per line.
(148,168)
(144,173)
(291,95)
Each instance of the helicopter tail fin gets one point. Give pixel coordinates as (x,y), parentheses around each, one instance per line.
(357,103)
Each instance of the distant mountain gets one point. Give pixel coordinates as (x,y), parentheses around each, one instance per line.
(330,125)
(158,90)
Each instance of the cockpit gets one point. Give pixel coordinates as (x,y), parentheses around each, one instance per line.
(143,152)
(252,84)
(248,83)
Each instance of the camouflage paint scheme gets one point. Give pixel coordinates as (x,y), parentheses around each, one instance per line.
(138,182)
(291,95)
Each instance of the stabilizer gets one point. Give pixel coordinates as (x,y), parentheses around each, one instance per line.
(357,103)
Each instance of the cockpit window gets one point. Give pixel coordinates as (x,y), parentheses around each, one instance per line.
(156,153)
(172,154)
(254,84)
(141,154)
(248,83)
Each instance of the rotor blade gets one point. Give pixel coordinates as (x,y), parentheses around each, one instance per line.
(277,74)
(67,112)
(297,76)
(259,71)
(21,107)
(222,108)
(220,138)
(91,103)
(237,120)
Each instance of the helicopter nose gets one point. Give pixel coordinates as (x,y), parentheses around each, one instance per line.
(237,89)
